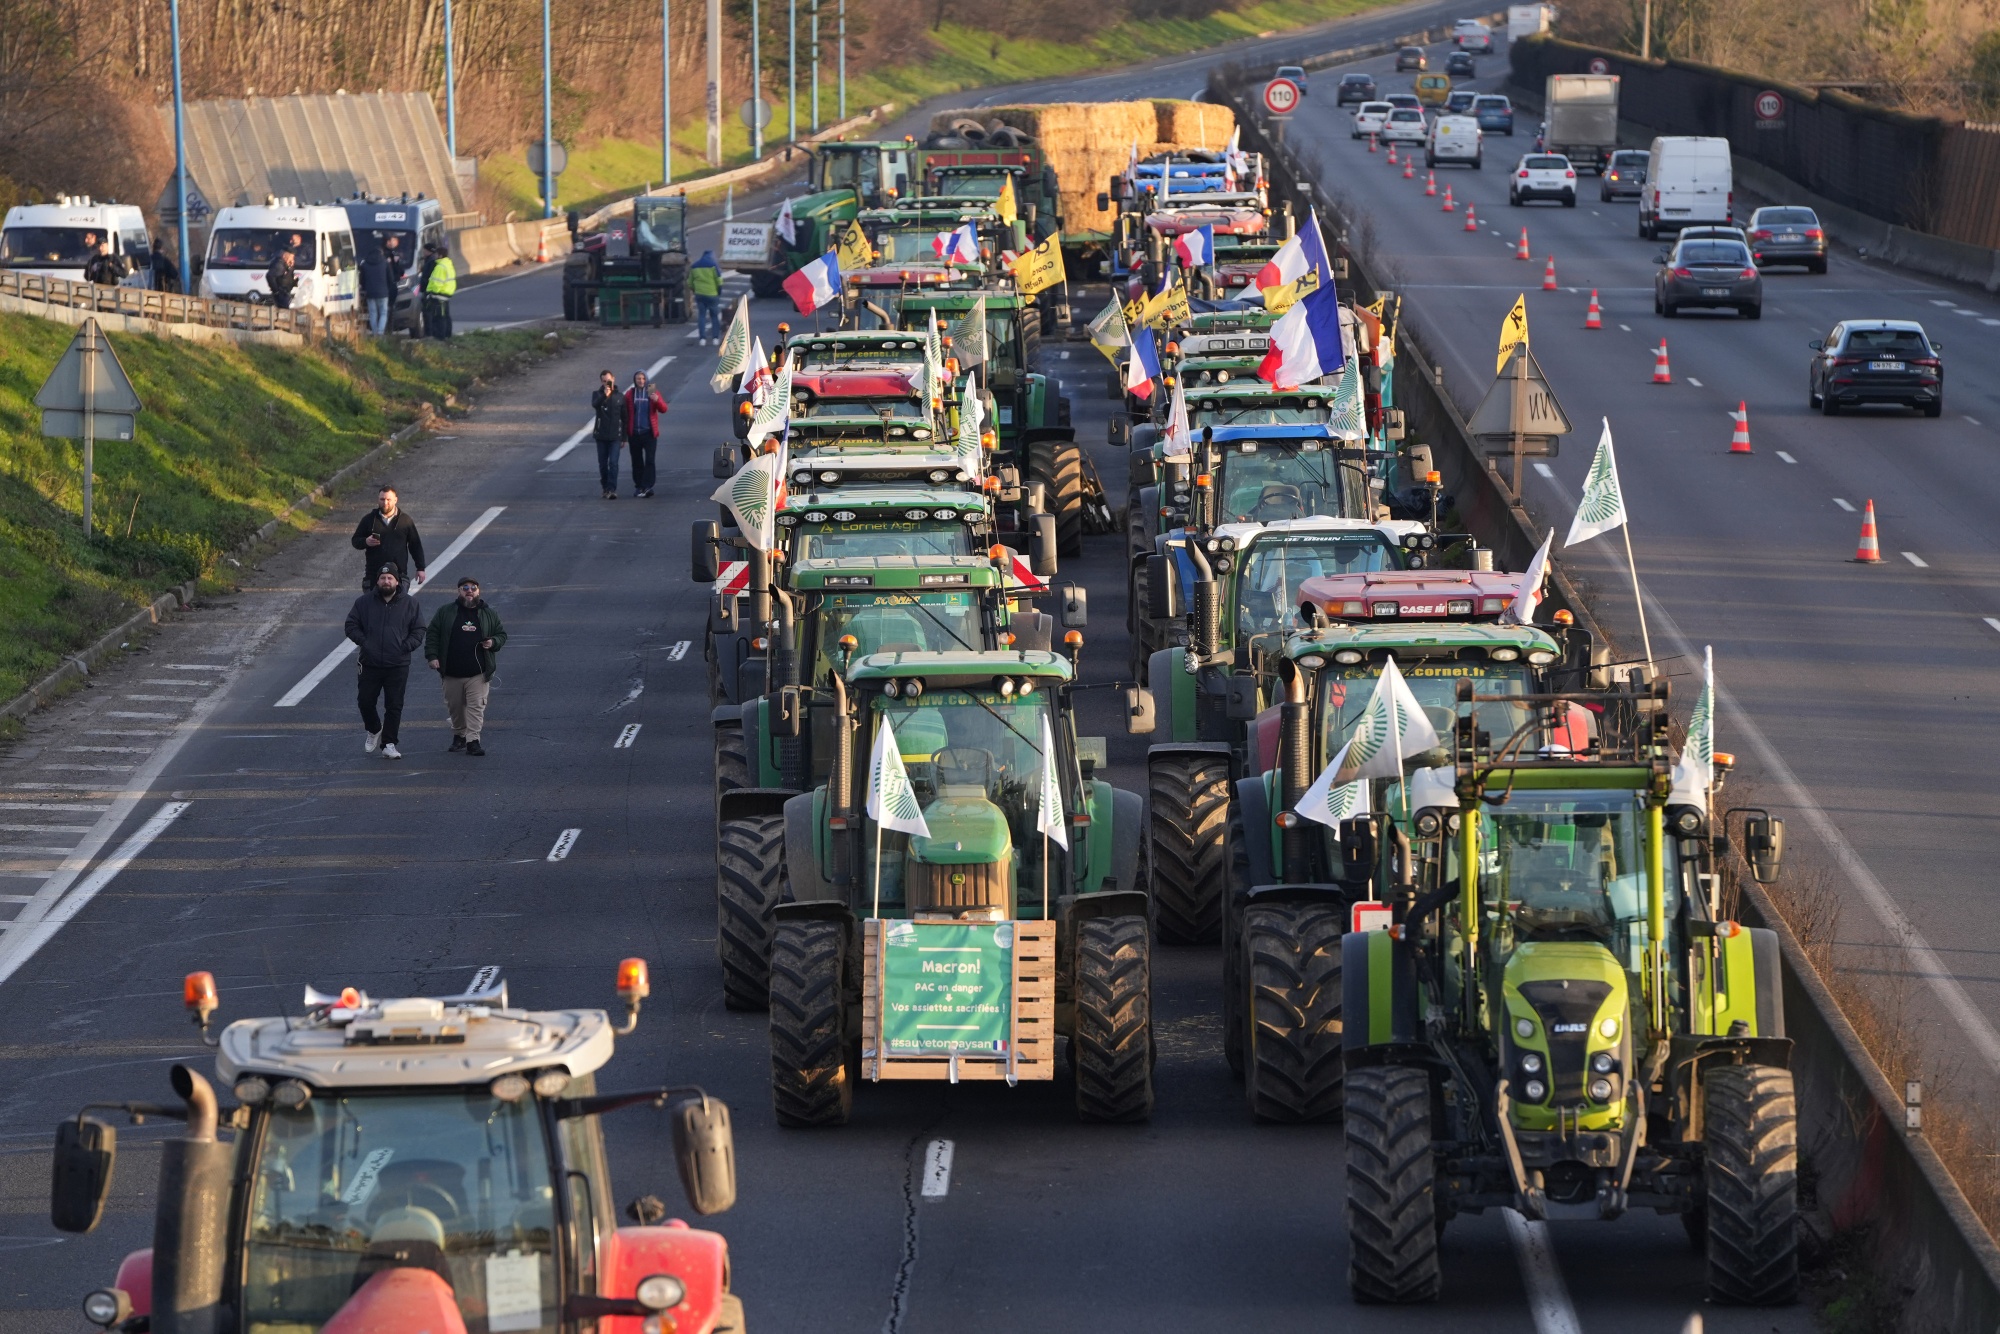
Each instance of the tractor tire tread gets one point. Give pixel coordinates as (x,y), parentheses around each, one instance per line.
(749,885)
(1752,1150)
(811,1084)
(1292,953)
(1112,1043)
(1187,832)
(1392,1235)
(1058,465)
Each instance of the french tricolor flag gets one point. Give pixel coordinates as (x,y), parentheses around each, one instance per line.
(1144,363)
(1305,342)
(1297,257)
(957,247)
(815,284)
(1196,248)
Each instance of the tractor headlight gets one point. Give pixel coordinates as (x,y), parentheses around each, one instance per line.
(912,688)
(1347,657)
(509,1088)
(1531,1063)
(1524,1028)
(1607,1027)
(1687,821)
(1223,565)
(1541,657)
(892,688)
(1600,1090)
(1535,1090)
(1005,687)
(660,1292)
(251,1090)
(292,1094)
(106,1307)
(1602,1063)
(939,476)
(1428,824)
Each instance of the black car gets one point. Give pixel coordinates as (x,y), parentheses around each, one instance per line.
(1459,102)
(1710,272)
(1410,57)
(1876,361)
(1788,234)
(1624,176)
(1354,88)
(1460,62)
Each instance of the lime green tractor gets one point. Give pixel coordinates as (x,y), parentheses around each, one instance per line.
(1552,1013)
(992,909)
(843,178)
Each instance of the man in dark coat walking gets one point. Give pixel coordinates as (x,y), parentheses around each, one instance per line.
(389,627)
(378,289)
(461,646)
(607,410)
(389,536)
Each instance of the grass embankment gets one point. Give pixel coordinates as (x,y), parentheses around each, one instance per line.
(228,438)
(967,58)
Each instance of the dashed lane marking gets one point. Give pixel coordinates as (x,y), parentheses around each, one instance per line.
(1548,1295)
(937,1169)
(1843,504)
(63,896)
(1990,621)
(1626,327)
(127,713)
(626,736)
(1974,420)
(1696,383)
(1916,560)
(1786,457)
(1946,304)
(679,650)
(564,842)
(1545,471)
(583,431)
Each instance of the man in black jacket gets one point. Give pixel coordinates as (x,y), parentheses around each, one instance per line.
(378,289)
(104,268)
(607,408)
(389,627)
(388,536)
(461,645)
(283,279)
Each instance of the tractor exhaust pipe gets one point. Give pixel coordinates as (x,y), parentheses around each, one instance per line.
(1294,768)
(786,650)
(840,785)
(1205,606)
(191,1225)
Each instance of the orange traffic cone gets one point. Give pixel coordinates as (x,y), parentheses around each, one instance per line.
(1449,207)
(1392,155)
(1739,440)
(1471,223)
(1430,184)
(1594,317)
(1409,167)
(1870,550)
(1371,143)
(1661,375)
(1521,250)
(542,248)
(1549,276)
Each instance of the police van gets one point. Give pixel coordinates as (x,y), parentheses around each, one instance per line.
(57,240)
(414,224)
(244,241)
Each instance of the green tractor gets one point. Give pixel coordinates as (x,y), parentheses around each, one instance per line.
(997,912)
(844,177)
(1555,1016)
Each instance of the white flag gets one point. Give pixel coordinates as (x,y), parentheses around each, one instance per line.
(1603,504)
(968,336)
(785,226)
(1328,802)
(1522,612)
(735,358)
(1348,420)
(1391,729)
(1050,818)
(757,380)
(752,496)
(1177,438)
(971,421)
(774,414)
(1695,769)
(892,802)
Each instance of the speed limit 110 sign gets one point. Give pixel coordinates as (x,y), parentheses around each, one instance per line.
(1281,97)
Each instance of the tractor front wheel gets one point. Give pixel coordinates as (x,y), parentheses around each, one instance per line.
(1392,1234)
(811,1084)
(1292,955)
(732,765)
(1752,1150)
(749,885)
(1187,831)
(1058,466)
(1111,1048)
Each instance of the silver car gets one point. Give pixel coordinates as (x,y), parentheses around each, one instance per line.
(1711,272)
(1788,234)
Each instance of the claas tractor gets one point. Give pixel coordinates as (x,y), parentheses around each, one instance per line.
(843,178)
(415,1165)
(1552,1013)
(963,893)
(644,254)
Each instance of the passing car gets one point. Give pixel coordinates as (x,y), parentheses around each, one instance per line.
(1471,35)
(1410,100)
(1788,234)
(1432,89)
(1460,102)
(1876,361)
(1296,73)
(1543,176)
(1354,88)
(1455,139)
(1370,117)
(1461,62)
(1405,126)
(1708,233)
(1494,113)
(1624,176)
(1411,57)
(1703,272)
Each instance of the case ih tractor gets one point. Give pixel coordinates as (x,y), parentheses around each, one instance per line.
(411,1166)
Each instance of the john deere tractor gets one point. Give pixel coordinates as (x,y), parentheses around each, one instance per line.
(992,910)
(1555,1016)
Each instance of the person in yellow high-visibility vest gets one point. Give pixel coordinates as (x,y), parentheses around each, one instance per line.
(440,284)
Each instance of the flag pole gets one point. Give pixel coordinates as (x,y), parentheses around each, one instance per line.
(1644,634)
(878,870)
(1045,873)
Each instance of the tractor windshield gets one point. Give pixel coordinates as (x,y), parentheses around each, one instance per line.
(895,623)
(905,242)
(1267,591)
(455,1182)
(903,537)
(976,184)
(662,224)
(861,354)
(850,170)
(1344,692)
(975,764)
(1571,865)
(1275,480)
(1288,413)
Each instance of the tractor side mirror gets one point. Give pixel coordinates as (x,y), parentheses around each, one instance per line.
(1358,842)
(1161,604)
(1103,201)
(1075,607)
(1139,716)
(1340,268)
(1394,425)
(86,1151)
(1764,846)
(705,1154)
(1042,547)
(706,544)
(788,712)
(724,465)
(575,221)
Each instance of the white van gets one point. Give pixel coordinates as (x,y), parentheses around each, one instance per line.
(1689,181)
(57,240)
(1455,139)
(245,240)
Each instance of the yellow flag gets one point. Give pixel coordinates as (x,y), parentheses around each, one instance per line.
(851,249)
(1168,307)
(1041,267)
(1005,205)
(1278,300)
(1513,332)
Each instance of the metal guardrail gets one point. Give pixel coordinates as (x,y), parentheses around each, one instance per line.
(171,307)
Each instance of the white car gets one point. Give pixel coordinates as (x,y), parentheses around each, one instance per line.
(1405,126)
(1455,139)
(1543,176)
(1472,35)
(1370,117)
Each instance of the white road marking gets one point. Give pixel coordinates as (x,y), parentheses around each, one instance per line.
(1991,621)
(1691,380)
(94,768)
(111,750)
(1985,321)
(1936,302)
(626,736)
(346,650)
(679,650)
(1843,504)
(185,667)
(1974,420)
(583,431)
(564,842)
(1545,471)
(180,681)
(63,896)
(1063,355)
(127,713)
(25,849)
(52,806)
(937,1169)
(48,829)
(1626,327)
(1916,560)
(1786,457)
(1962,311)
(1548,1295)
(158,699)
(129,731)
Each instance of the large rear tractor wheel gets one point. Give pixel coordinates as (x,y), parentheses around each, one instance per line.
(1752,1143)
(1112,1047)
(1292,954)
(732,764)
(1058,466)
(749,885)
(1187,829)
(811,1084)
(1392,1234)
(766,283)
(1235,990)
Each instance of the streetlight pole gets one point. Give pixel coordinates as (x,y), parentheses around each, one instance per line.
(180,156)
(843,59)
(792,67)
(756,80)
(450,92)
(548,124)
(815,43)
(666,93)
(714,98)
(1646,37)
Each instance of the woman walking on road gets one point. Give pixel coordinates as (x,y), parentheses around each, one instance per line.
(607,425)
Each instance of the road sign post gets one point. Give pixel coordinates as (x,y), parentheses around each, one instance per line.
(1520,417)
(1281,97)
(88,394)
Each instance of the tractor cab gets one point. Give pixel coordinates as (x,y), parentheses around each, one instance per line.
(405,1164)
(636,260)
